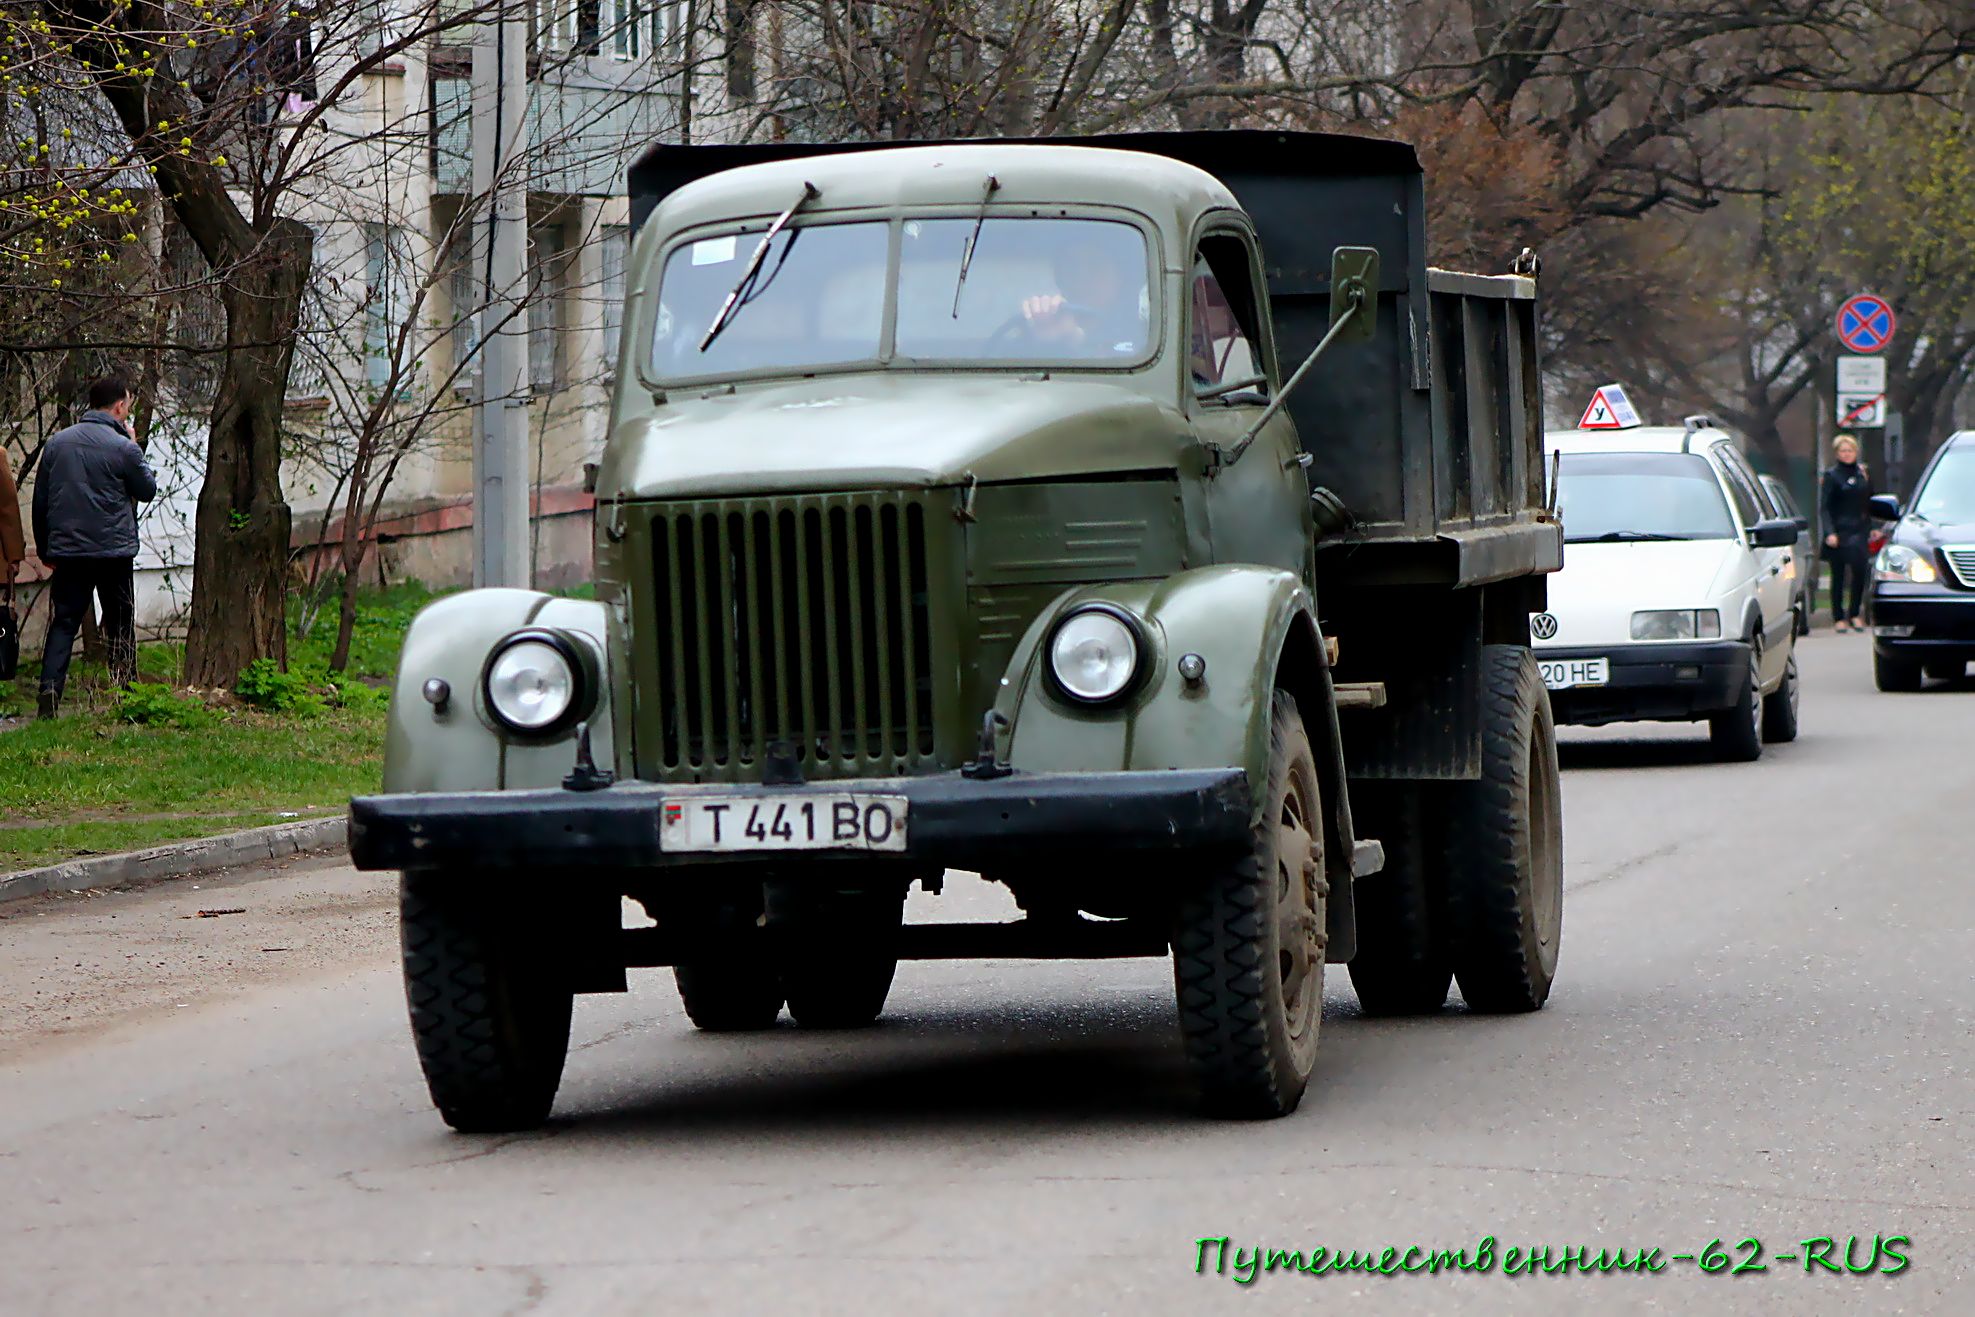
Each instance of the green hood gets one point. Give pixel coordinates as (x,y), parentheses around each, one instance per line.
(888,431)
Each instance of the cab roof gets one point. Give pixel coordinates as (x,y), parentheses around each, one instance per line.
(1172,194)
(1638,439)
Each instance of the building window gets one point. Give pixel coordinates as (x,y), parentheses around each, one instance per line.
(464,289)
(661,24)
(626,29)
(616,246)
(387,281)
(548,276)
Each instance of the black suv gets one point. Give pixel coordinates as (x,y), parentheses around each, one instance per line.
(1922,602)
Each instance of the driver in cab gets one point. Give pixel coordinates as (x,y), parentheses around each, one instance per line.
(1098,310)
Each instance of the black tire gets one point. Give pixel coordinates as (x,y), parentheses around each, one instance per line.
(839,961)
(1779,708)
(736,993)
(1401,966)
(1947,670)
(1248,948)
(1894,674)
(1737,731)
(1504,841)
(489,1014)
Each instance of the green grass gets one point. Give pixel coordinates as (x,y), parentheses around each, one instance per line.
(91,783)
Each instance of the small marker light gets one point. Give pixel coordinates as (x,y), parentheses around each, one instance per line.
(437,692)
(1192,668)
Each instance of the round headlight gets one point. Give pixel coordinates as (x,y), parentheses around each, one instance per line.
(1094,655)
(531,684)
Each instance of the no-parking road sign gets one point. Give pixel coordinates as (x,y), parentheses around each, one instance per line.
(1866,323)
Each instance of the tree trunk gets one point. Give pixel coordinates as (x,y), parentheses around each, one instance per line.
(240,556)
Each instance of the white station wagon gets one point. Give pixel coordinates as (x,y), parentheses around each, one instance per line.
(1674,602)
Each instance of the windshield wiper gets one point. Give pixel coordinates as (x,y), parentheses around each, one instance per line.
(733,302)
(967,256)
(1622,537)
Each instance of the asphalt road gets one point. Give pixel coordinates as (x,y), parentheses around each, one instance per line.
(1762,1029)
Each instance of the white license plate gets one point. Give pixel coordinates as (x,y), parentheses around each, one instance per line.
(1562,674)
(805,821)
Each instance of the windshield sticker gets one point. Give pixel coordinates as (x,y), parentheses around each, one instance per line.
(713,251)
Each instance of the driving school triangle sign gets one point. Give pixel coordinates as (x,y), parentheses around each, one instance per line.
(1610,409)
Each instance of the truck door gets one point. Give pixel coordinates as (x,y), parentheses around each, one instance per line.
(1258,509)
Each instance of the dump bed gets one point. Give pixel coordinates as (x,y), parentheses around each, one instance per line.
(1430,433)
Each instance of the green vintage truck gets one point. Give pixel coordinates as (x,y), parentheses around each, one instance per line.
(1134,521)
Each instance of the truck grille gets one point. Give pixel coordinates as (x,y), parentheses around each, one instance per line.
(1961,561)
(801,619)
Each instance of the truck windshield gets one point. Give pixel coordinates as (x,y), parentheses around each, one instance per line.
(1949,494)
(1069,290)
(1641,496)
(1037,292)
(817,300)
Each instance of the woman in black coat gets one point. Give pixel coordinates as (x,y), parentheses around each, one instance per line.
(1844,500)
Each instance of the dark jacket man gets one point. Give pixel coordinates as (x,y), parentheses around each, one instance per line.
(92,476)
(89,475)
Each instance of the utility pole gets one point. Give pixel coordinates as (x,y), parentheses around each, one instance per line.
(500,235)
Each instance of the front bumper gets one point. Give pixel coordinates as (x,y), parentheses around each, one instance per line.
(1943,620)
(953,821)
(1654,682)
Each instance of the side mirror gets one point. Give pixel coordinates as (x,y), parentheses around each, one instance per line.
(1775,533)
(1884,507)
(1802,523)
(1354,284)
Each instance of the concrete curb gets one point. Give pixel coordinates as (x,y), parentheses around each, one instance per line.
(198,855)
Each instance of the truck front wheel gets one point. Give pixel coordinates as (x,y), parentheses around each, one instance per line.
(489,1009)
(1248,949)
(1505,863)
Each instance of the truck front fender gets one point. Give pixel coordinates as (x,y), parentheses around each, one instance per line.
(1240,620)
(457,747)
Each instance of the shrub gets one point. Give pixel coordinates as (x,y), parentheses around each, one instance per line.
(264,685)
(150,704)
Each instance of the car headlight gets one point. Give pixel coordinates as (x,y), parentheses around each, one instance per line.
(536,682)
(1677,624)
(1896,562)
(1094,654)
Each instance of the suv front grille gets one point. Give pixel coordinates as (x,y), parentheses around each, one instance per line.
(1961,561)
(803,619)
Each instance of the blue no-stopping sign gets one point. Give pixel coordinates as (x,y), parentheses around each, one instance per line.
(1866,323)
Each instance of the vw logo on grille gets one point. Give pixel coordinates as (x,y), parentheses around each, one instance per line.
(1543,625)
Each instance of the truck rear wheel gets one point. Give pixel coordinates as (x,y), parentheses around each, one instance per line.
(489,1012)
(839,961)
(1505,844)
(1401,967)
(1248,950)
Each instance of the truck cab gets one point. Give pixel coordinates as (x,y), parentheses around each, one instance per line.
(968,506)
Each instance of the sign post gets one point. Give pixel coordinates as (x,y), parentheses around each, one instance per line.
(1866,323)
(1861,393)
